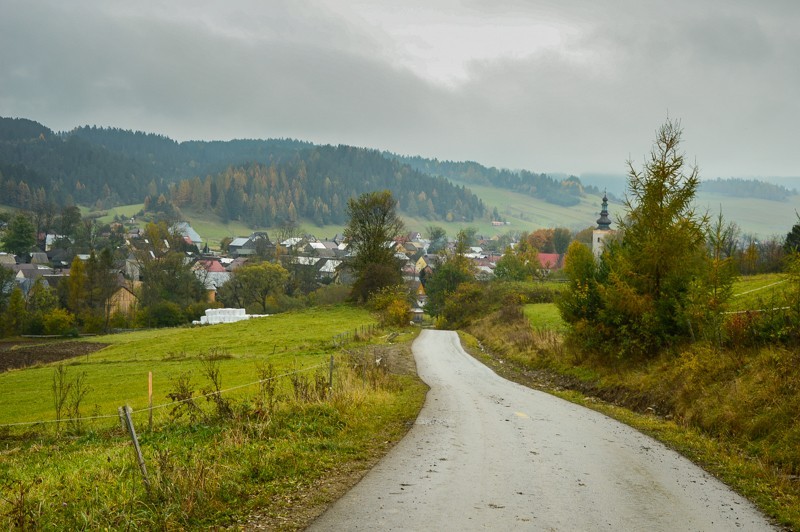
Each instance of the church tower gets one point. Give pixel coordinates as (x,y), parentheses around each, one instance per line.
(603,229)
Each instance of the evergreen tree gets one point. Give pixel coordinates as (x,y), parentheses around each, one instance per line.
(646,281)
(15,316)
(792,242)
(20,236)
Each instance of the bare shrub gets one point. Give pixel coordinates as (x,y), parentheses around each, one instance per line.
(22,511)
(60,389)
(370,367)
(78,391)
(267,388)
(309,388)
(211,369)
(183,395)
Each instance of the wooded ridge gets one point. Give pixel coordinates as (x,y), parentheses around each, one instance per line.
(262,182)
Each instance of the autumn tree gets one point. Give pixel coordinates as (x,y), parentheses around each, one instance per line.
(541,240)
(373,226)
(168,281)
(41,301)
(253,284)
(580,303)
(15,314)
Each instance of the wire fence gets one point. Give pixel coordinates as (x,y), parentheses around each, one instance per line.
(357,334)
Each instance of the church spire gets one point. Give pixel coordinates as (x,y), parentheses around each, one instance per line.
(604,222)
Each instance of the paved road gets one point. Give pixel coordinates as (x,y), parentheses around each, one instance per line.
(488,454)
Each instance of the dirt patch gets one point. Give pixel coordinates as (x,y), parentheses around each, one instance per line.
(15,355)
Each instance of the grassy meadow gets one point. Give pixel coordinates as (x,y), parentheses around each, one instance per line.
(265,454)
(118,374)
(763,218)
(755,292)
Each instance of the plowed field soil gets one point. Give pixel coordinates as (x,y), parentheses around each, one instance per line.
(15,355)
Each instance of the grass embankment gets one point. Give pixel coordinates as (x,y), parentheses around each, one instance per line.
(734,412)
(268,454)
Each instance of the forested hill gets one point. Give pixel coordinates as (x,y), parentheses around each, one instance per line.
(316,183)
(565,192)
(260,182)
(38,167)
(191,158)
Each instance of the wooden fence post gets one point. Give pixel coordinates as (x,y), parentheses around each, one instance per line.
(330,374)
(125,412)
(150,400)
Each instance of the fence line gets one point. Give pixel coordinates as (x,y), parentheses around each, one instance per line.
(760,288)
(757,310)
(371,328)
(67,420)
(173,403)
(209,394)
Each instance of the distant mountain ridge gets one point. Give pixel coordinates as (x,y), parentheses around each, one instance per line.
(265,182)
(260,182)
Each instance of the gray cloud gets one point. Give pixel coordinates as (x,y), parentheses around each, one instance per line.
(311,71)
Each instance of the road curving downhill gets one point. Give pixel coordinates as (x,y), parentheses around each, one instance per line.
(488,454)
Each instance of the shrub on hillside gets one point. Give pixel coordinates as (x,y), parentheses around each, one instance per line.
(392,305)
(58,321)
(164,314)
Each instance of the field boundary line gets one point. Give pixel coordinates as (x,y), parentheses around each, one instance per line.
(760,288)
(164,405)
(209,394)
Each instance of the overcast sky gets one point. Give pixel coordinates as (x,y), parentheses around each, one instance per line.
(568,86)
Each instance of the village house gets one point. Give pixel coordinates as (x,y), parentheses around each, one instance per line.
(257,243)
(212,274)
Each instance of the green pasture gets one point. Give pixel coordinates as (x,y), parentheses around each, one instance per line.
(755,292)
(118,374)
(759,217)
(544,316)
(125,211)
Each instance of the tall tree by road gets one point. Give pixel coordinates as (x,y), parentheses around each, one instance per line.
(373,225)
(650,279)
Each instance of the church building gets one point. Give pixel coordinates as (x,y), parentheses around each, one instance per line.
(603,229)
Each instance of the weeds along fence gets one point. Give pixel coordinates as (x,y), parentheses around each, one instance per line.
(193,402)
(358,333)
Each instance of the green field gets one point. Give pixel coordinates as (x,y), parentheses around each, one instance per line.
(761,218)
(118,374)
(544,316)
(754,292)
